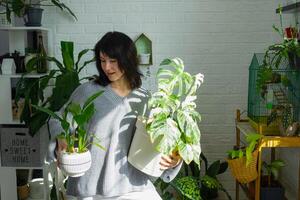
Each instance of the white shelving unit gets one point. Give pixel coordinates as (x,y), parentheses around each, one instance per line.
(18,41)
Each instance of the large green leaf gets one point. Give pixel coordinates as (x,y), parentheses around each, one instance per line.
(36,121)
(213,169)
(89,101)
(81,53)
(49,112)
(188,186)
(62,6)
(65,84)
(167,133)
(67,50)
(188,125)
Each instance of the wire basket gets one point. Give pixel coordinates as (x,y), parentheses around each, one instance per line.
(241,172)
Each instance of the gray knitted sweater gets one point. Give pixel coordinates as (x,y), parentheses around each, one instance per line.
(114,123)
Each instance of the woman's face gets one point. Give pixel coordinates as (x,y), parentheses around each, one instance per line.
(110,66)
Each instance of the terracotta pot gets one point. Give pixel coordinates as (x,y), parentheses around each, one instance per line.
(23,192)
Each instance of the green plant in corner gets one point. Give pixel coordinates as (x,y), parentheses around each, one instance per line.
(252,140)
(19,7)
(63,81)
(272,169)
(173,120)
(190,184)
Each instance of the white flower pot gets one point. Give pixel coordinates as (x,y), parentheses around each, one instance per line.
(75,164)
(144,58)
(142,154)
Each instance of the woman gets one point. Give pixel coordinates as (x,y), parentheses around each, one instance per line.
(111,176)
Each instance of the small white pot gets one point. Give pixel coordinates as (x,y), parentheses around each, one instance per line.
(142,154)
(144,58)
(75,164)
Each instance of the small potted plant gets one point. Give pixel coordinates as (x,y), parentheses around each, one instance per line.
(76,161)
(288,49)
(172,125)
(270,186)
(31,9)
(242,161)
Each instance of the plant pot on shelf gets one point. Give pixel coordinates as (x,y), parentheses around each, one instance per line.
(33,16)
(22,183)
(142,154)
(75,164)
(241,172)
(274,192)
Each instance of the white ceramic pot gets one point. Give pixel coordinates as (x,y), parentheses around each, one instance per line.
(142,154)
(75,164)
(144,58)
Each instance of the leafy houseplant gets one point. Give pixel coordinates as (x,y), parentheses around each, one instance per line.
(252,140)
(242,161)
(62,80)
(271,188)
(192,185)
(80,116)
(21,7)
(171,127)
(173,120)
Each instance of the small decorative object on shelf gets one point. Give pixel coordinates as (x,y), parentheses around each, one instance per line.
(8,66)
(4,22)
(42,57)
(273,96)
(144,49)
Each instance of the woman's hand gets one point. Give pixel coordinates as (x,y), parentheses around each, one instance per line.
(169,161)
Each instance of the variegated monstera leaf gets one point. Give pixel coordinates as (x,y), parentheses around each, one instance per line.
(173,120)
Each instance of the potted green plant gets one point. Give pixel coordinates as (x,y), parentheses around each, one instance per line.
(31,9)
(288,49)
(242,161)
(270,186)
(172,125)
(62,81)
(76,161)
(191,184)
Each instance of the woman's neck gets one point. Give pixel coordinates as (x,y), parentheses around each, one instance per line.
(121,87)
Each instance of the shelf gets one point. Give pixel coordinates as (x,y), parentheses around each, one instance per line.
(291,8)
(31,75)
(23,28)
(270,141)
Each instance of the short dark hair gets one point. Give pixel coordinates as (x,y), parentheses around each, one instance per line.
(119,46)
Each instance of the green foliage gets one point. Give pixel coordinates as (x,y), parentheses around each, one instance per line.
(206,186)
(19,7)
(63,82)
(252,139)
(272,169)
(173,120)
(80,117)
(188,186)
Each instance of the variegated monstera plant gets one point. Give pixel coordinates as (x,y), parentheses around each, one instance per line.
(173,120)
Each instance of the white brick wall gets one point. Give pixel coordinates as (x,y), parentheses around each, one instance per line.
(214,37)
